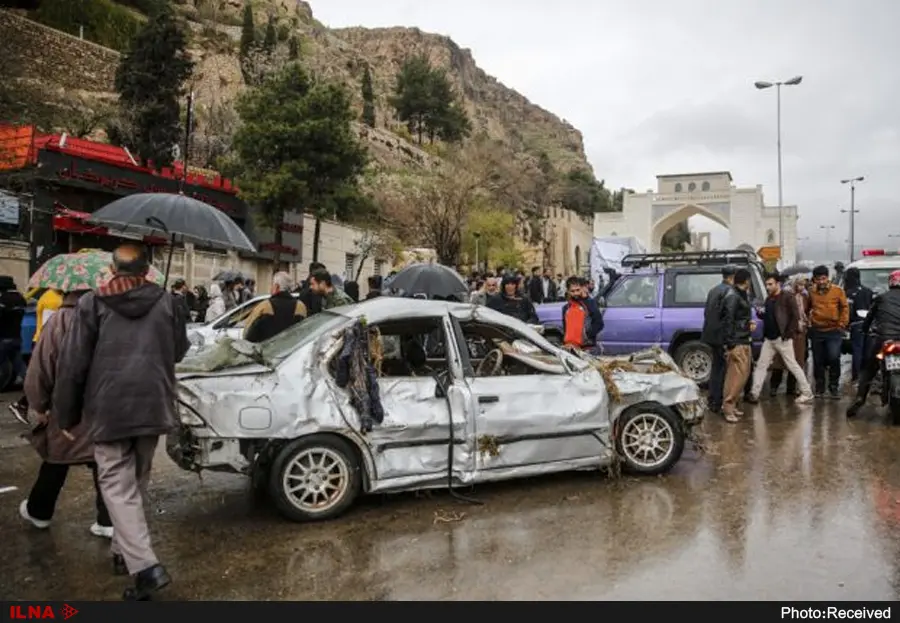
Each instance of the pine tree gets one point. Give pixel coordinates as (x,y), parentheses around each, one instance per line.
(150,82)
(424,100)
(293,48)
(368,97)
(271,38)
(248,32)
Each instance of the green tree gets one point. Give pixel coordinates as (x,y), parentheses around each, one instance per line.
(248,31)
(271,38)
(368,97)
(582,193)
(296,150)
(150,82)
(424,100)
(676,238)
(293,48)
(495,247)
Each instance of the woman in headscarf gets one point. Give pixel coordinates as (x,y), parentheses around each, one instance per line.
(216,303)
(59,450)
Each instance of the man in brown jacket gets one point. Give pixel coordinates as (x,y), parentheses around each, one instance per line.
(117,366)
(829,315)
(781,324)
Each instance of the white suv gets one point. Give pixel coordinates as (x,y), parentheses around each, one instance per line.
(875,266)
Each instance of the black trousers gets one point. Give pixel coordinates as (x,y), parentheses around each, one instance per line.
(45,491)
(869,369)
(716,378)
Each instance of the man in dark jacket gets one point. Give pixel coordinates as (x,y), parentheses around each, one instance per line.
(308,297)
(781,323)
(509,302)
(859,298)
(272,316)
(117,364)
(12,310)
(712,335)
(737,327)
(884,320)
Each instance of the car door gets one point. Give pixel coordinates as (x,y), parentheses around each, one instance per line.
(684,300)
(631,318)
(537,423)
(410,447)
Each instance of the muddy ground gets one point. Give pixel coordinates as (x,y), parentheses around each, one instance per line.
(791,504)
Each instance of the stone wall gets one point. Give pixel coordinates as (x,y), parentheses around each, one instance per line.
(56,59)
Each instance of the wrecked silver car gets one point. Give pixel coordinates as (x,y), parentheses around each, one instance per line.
(400,394)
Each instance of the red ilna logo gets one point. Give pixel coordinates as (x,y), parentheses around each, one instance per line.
(40,612)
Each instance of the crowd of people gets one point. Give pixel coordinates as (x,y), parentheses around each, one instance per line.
(799,316)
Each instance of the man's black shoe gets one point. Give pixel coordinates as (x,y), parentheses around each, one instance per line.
(853,409)
(146,583)
(119,566)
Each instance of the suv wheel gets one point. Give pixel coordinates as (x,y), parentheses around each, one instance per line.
(695,360)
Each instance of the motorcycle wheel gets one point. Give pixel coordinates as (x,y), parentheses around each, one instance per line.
(894,399)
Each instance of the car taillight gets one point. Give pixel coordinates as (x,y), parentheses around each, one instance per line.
(872,252)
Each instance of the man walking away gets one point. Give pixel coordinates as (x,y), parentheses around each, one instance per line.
(829,314)
(859,297)
(322,285)
(117,364)
(277,313)
(885,317)
(737,328)
(781,324)
(713,336)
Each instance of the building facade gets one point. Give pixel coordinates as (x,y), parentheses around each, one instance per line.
(750,222)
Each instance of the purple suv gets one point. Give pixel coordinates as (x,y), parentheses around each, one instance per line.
(660,306)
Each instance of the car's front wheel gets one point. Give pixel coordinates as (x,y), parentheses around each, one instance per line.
(315,478)
(650,438)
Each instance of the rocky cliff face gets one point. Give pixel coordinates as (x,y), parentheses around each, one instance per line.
(342,54)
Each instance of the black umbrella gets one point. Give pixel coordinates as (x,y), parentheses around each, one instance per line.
(179,218)
(797,269)
(229,276)
(430,280)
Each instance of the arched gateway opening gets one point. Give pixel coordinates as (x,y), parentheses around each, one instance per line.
(678,215)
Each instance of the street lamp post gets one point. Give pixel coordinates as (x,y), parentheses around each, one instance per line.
(852,181)
(827,229)
(477,236)
(765,85)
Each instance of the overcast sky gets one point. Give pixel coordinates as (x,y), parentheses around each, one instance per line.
(666,86)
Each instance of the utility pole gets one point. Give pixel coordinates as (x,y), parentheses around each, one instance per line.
(188,130)
(852,181)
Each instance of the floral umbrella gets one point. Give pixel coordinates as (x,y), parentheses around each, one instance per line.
(87,269)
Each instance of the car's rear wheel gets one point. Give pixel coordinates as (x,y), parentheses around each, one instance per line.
(315,478)
(650,438)
(695,360)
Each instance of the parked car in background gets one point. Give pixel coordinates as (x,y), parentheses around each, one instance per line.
(230,324)
(661,302)
(468,395)
(875,266)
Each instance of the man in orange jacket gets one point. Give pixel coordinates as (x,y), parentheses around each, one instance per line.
(829,316)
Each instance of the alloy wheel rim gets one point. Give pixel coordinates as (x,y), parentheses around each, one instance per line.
(697,364)
(648,440)
(316,479)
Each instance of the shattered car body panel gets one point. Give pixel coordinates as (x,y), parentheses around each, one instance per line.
(546,411)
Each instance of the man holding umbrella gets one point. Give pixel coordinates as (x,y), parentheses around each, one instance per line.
(118,364)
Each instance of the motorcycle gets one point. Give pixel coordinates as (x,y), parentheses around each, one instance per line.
(888,379)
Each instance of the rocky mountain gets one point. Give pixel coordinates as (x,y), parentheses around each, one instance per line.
(501,113)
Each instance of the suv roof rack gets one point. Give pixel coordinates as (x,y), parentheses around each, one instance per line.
(715,258)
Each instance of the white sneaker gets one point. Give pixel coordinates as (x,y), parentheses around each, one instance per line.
(804,399)
(105,532)
(41,524)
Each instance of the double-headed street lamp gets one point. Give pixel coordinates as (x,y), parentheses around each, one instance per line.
(852,181)
(828,229)
(765,85)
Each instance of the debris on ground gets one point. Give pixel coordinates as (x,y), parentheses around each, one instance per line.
(487,444)
(447,517)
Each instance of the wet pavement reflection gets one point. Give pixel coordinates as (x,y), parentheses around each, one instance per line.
(792,503)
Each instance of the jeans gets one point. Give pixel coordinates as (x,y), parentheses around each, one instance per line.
(45,492)
(12,350)
(826,348)
(717,378)
(871,365)
(858,343)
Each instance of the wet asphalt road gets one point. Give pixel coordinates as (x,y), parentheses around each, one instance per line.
(792,503)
